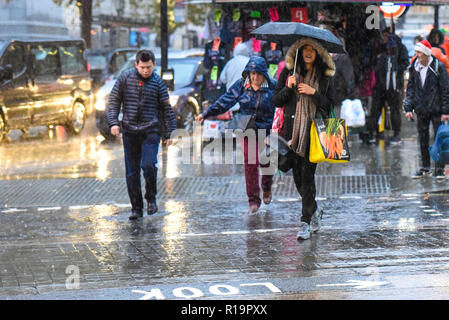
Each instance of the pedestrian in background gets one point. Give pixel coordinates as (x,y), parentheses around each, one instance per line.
(428,96)
(392,61)
(305,95)
(254,92)
(147,116)
(344,80)
(233,69)
(436,39)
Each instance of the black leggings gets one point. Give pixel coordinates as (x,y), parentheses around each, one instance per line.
(304,177)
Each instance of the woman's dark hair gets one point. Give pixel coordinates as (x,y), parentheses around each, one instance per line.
(435,37)
(145,56)
(319,64)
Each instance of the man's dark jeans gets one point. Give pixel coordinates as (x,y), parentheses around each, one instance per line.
(141,153)
(423,125)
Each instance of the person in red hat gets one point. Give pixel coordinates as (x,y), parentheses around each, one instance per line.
(437,53)
(428,97)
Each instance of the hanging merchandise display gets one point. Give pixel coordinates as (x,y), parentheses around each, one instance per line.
(253,22)
(214,61)
(213,26)
(272,55)
(274,15)
(299,15)
(233,26)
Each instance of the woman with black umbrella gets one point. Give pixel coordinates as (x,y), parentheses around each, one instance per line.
(306,89)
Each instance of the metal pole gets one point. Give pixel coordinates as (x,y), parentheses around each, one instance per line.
(164,35)
(436,17)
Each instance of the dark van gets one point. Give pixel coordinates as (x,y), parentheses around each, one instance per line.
(43,83)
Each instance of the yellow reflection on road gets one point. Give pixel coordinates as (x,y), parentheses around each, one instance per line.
(175,222)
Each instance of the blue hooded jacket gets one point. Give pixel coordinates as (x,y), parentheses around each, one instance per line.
(242,92)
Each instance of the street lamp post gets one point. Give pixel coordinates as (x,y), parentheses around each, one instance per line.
(164,35)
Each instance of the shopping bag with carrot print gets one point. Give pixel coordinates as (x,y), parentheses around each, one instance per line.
(329,141)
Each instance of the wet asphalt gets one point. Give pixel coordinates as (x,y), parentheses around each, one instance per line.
(65,233)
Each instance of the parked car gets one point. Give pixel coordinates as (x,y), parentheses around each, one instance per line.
(103,63)
(43,83)
(185,99)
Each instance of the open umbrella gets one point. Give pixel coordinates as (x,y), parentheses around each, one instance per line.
(287,33)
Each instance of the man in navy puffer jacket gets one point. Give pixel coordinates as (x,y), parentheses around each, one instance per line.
(147,115)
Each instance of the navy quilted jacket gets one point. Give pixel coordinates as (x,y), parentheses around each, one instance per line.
(245,95)
(144,102)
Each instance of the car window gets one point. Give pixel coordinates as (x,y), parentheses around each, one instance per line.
(14,56)
(72,61)
(128,65)
(45,62)
(97,62)
(184,72)
(129,55)
(119,59)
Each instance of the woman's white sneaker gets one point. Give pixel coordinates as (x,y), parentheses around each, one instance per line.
(304,231)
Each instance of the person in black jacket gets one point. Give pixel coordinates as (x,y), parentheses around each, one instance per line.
(392,61)
(428,96)
(305,94)
(344,80)
(147,115)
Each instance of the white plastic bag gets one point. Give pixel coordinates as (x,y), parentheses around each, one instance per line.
(352,111)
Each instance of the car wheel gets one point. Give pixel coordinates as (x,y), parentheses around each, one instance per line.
(188,118)
(78,118)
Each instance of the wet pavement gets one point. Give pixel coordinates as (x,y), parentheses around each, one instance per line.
(65,232)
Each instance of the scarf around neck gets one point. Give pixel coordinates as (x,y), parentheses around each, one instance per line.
(305,112)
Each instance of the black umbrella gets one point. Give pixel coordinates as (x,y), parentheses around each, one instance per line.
(288,32)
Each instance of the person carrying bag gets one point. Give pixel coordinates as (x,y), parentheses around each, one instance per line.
(309,92)
(254,92)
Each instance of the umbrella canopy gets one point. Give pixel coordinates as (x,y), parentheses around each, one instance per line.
(287,33)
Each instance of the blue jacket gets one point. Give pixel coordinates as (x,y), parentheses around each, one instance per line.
(130,92)
(439,151)
(242,92)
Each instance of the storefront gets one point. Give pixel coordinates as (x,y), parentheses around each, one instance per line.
(230,22)
(110,32)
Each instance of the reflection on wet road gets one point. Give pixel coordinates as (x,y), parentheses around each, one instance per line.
(47,154)
(54,154)
(203,234)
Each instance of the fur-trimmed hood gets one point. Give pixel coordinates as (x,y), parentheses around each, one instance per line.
(327,59)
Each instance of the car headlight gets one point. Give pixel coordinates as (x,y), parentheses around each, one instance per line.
(100,100)
(173,100)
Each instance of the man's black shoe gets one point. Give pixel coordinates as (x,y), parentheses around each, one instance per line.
(135,215)
(151,208)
